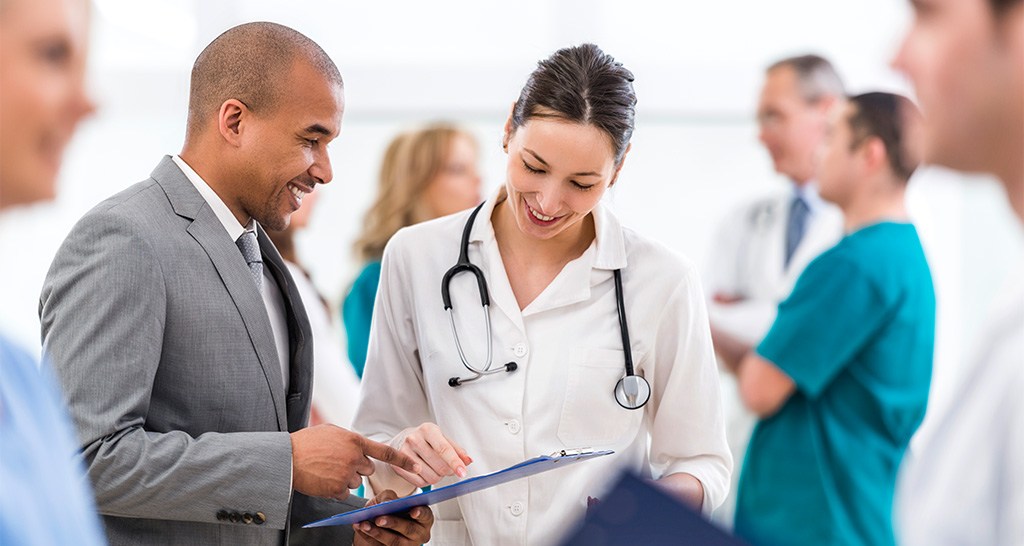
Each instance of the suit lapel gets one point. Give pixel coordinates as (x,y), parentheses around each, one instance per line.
(207,230)
(299,335)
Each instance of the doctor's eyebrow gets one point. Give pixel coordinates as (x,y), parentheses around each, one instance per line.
(545,163)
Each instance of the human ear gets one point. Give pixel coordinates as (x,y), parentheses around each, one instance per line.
(230,120)
(508,128)
(875,156)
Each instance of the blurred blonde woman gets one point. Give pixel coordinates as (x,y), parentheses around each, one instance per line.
(425,174)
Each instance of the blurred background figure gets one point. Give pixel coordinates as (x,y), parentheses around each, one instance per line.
(335,385)
(426,173)
(46,497)
(841,380)
(966,483)
(762,247)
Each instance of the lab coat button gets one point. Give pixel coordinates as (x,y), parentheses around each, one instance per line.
(519,350)
(516,508)
(513,426)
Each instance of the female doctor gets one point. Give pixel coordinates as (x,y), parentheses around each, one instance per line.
(593,336)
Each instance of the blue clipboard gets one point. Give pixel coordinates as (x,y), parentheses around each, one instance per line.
(471,485)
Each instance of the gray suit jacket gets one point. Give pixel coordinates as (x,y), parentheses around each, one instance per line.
(167,360)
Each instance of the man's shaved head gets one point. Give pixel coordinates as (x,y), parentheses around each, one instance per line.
(249,63)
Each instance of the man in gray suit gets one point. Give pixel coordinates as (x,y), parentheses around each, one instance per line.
(179,337)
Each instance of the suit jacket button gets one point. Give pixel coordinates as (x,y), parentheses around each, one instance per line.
(260,518)
(235,517)
(247,518)
(222,515)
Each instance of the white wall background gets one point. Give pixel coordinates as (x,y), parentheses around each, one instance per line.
(698,67)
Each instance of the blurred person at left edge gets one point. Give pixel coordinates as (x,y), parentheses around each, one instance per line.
(46,498)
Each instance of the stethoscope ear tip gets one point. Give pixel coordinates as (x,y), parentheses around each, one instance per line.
(454,382)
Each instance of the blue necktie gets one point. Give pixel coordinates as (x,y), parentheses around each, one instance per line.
(250,249)
(796,226)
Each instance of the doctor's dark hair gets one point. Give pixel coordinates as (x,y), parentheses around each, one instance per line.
(892,119)
(585,85)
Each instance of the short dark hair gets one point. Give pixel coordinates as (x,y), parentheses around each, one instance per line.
(248,63)
(585,85)
(815,75)
(887,117)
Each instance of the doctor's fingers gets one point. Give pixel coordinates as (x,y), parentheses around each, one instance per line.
(438,455)
(415,479)
(452,453)
(388,454)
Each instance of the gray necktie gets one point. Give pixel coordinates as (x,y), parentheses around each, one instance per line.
(796,226)
(250,248)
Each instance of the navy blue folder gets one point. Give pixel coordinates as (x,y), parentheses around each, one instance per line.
(638,512)
(471,485)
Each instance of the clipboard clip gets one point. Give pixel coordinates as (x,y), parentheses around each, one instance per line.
(573,452)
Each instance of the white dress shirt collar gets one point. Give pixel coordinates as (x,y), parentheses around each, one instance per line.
(809,193)
(610,248)
(223,213)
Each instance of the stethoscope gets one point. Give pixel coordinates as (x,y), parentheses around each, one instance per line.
(631,391)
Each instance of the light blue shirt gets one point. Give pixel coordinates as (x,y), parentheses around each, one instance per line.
(46,497)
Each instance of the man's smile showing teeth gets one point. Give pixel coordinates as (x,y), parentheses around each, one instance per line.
(298,193)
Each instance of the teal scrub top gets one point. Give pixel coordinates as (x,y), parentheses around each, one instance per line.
(857,337)
(357,312)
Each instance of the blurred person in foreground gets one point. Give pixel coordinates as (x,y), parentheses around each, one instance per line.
(966,483)
(46,496)
(841,379)
(335,385)
(178,333)
(426,173)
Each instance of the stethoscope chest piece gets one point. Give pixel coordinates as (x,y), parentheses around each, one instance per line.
(632,392)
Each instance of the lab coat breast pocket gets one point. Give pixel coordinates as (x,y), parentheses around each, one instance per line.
(590,415)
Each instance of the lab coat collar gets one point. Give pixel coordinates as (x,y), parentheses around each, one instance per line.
(573,284)
(610,246)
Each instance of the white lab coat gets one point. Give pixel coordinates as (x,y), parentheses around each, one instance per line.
(966,483)
(748,260)
(569,351)
(749,254)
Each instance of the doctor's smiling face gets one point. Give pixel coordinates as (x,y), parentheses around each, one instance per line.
(567,138)
(558,170)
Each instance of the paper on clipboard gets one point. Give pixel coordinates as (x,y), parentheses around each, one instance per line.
(471,485)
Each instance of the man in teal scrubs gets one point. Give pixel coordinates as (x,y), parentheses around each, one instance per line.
(841,379)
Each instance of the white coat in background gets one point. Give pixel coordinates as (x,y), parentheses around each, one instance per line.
(749,254)
(569,352)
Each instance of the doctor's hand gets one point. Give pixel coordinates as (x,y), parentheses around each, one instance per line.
(437,455)
(411,528)
(328,461)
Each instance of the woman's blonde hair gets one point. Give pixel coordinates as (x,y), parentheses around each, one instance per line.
(412,160)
